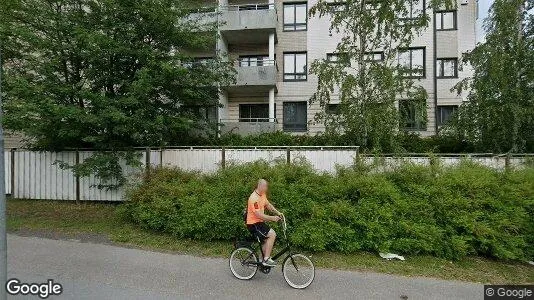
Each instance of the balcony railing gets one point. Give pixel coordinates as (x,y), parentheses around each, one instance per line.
(241,7)
(251,120)
(255,62)
(256,73)
(248,17)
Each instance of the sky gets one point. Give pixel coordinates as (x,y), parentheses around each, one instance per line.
(483,8)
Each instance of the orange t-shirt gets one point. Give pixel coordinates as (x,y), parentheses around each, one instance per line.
(256,203)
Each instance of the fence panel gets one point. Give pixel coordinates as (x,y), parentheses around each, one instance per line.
(38,176)
(325,160)
(205,160)
(155,158)
(89,186)
(240,156)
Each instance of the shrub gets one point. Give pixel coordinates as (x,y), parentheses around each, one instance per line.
(447,212)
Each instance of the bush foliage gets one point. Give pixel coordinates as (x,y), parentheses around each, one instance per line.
(448,212)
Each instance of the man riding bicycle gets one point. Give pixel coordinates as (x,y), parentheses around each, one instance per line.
(256,218)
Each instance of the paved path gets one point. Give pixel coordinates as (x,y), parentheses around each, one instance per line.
(94,271)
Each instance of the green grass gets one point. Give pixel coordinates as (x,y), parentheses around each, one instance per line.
(89,219)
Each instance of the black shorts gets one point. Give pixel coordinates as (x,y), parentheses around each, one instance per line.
(259,230)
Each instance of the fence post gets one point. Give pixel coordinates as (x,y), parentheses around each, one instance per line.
(147,163)
(223,157)
(12,172)
(288,155)
(77,178)
(160,157)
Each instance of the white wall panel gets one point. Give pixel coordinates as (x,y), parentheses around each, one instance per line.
(240,156)
(89,186)
(325,160)
(206,160)
(38,175)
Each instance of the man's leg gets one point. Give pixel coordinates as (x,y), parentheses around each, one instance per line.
(269,243)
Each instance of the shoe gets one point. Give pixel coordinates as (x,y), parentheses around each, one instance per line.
(269,263)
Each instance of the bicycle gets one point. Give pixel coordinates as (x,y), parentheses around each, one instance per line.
(297,268)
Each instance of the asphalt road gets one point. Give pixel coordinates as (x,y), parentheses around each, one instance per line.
(95,271)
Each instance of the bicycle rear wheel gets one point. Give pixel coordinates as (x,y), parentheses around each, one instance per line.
(298,270)
(243,263)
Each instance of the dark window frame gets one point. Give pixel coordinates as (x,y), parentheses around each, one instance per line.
(250,107)
(440,20)
(440,121)
(440,69)
(333,109)
(382,55)
(295,126)
(342,58)
(334,6)
(411,49)
(294,67)
(258,6)
(411,17)
(418,125)
(207,113)
(294,24)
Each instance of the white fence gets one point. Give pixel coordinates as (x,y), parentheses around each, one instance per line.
(37,175)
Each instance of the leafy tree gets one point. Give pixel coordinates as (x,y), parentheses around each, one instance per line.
(369,89)
(107,75)
(499,115)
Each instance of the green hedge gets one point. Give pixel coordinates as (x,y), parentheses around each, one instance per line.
(447,212)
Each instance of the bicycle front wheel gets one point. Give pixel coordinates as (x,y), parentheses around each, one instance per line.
(298,270)
(243,263)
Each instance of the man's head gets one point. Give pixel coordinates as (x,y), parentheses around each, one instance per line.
(262,186)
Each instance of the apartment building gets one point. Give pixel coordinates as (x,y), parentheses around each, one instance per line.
(274,42)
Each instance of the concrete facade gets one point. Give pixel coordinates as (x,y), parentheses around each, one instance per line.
(249,37)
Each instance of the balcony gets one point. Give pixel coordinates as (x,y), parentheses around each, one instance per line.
(248,23)
(256,77)
(246,127)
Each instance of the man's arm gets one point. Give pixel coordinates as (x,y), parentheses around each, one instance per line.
(271,208)
(265,217)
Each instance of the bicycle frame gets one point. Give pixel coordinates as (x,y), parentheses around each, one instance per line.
(286,249)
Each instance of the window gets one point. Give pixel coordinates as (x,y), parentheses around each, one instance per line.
(414,9)
(412,62)
(372,5)
(198,62)
(446,20)
(295,16)
(295,66)
(447,67)
(295,116)
(253,112)
(445,112)
(205,113)
(332,109)
(254,7)
(337,6)
(342,58)
(412,114)
(254,60)
(374,56)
